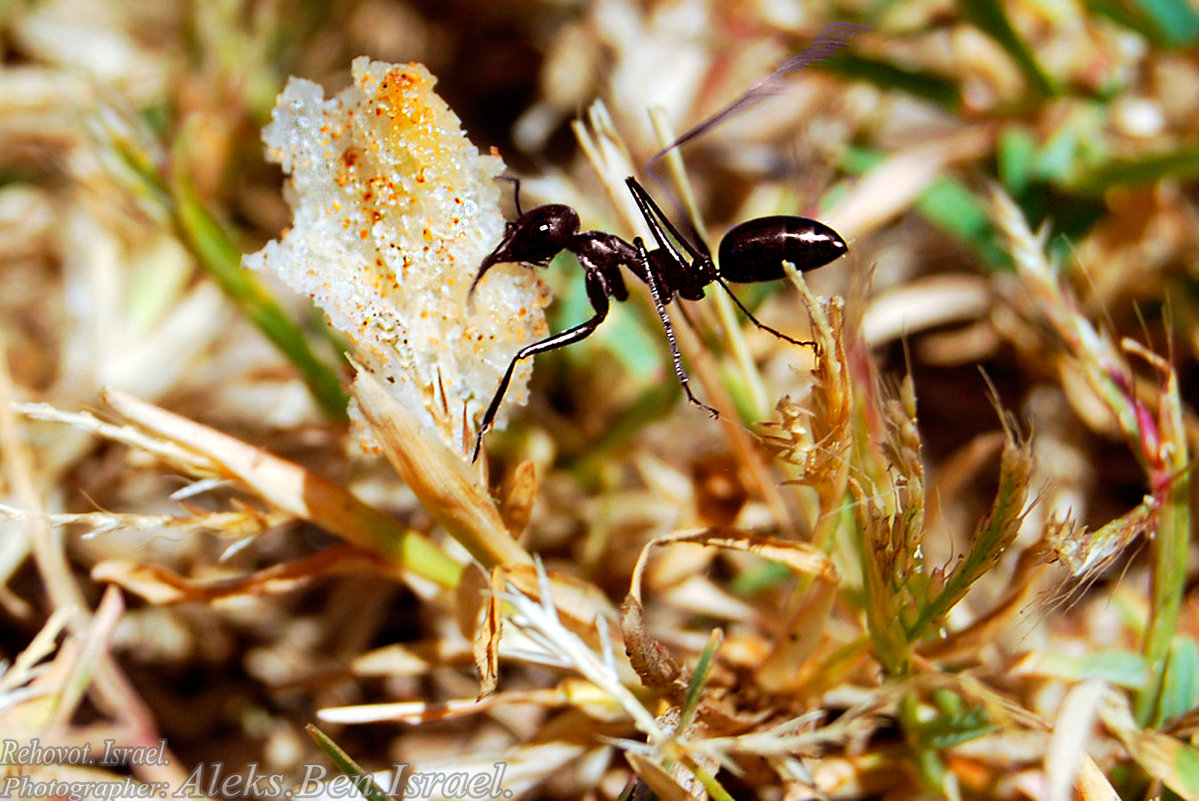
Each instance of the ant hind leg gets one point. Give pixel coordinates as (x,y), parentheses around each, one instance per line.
(803,343)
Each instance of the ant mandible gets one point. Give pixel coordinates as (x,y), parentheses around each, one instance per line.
(751,252)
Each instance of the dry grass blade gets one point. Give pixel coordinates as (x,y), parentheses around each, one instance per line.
(293,489)
(159,585)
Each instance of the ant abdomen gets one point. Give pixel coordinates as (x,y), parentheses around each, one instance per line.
(756,249)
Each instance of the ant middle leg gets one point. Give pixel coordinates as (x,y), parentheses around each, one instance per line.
(596,293)
(656,291)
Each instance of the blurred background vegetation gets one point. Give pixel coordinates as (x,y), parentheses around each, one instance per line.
(132,178)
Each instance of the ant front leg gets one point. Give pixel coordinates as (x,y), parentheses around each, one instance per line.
(515,191)
(655,290)
(804,343)
(597,293)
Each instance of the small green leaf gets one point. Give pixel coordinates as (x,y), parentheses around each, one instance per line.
(1180,687)
(759,578)
(955,728)
(1121,668)
(962,214)
(1184,779)
(1015,152)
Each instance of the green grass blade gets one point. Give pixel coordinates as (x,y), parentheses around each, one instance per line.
(215,251)
(1175,21)
(991,18)
(930,86)
(991,538)
(1181,165)
(362,780)
(1169,551)
(699,679)
(1180,689)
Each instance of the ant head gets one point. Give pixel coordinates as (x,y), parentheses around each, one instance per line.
(535,238)
(540,234)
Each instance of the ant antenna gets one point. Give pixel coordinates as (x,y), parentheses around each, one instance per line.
(832,37)
(515,190)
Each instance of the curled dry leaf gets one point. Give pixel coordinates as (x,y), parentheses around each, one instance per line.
(486,643)
(520,491)
(650,658)
(480,611)
(438,475)
(653,662)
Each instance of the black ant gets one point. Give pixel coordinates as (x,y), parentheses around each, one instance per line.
(751,252)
